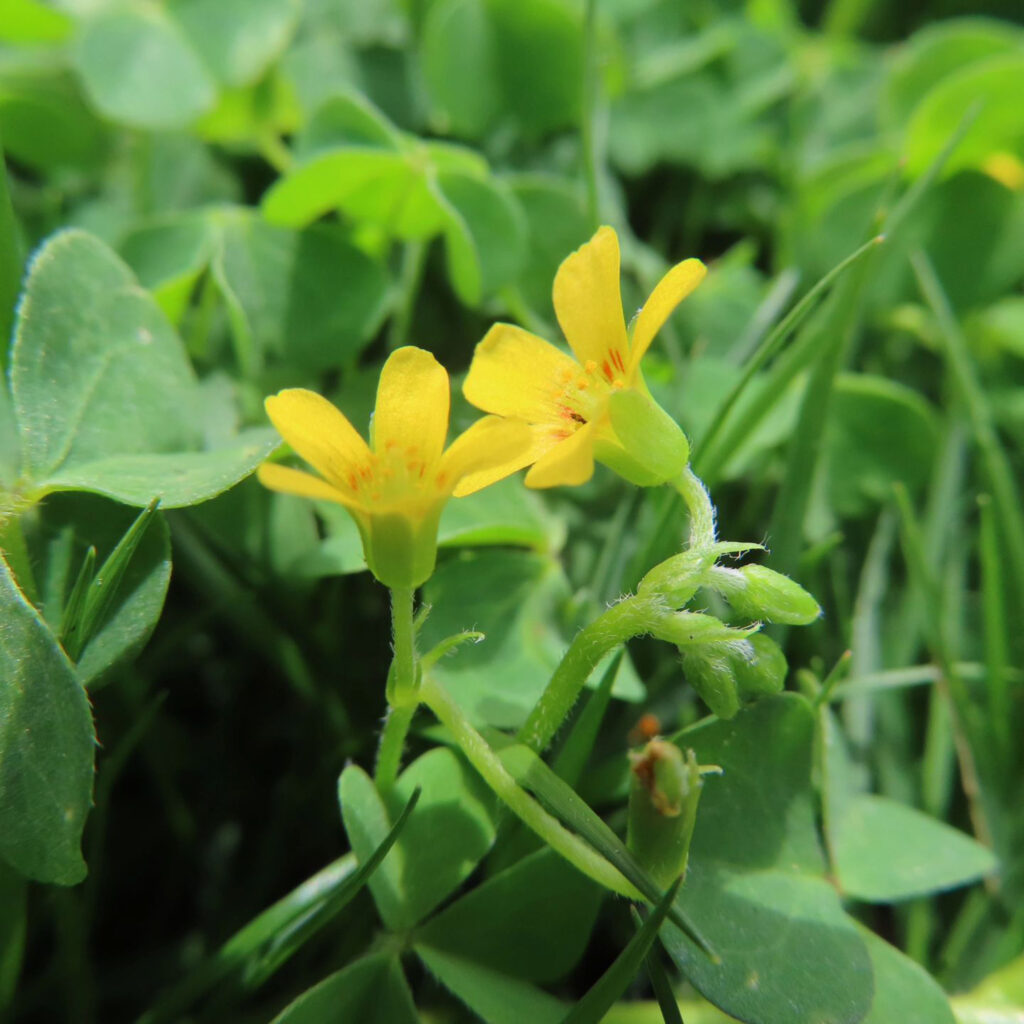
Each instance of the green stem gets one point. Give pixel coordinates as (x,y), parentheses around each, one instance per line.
(402,681)
(483,758)
(587,114)
(702,512)
(628,618)
(392,743)
(402,687)
(414,260)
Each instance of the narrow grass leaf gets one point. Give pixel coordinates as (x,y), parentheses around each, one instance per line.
(10,262)
(667,1002)
(607,989)
(565,803)
(572,758)
(101,591)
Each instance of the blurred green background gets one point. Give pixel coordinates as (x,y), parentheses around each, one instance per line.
(306,184)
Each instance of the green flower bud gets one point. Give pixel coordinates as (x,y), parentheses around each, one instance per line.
(663,798)
(690,629)
(710,671)
(677,578)
(760,593)
(762,674)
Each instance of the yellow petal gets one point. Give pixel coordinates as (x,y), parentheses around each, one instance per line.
(412,404)
(515,373)
(319,432)
(296,481)
(490,450)
(589,304)
(569,462)
(669,292)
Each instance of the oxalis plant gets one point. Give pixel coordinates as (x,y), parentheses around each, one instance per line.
(555,413)
(484,859)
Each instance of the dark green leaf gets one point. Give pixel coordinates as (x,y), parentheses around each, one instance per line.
(47,746)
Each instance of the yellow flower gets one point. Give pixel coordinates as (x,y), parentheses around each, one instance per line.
(596,405)
(396,486)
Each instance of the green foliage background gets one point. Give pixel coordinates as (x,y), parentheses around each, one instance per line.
(227,197)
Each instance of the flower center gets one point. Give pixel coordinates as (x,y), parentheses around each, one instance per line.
(581,392)
(395,476)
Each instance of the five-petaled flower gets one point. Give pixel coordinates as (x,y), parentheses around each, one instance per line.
(596,405)
(396,486)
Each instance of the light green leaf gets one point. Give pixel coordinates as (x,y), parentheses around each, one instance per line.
(485,234)
(498,680)
(905,993)
(992,87)
(30,21)
(532,921)
(495,997)
(237,39)
(505,513)
(440,846)
(47,746)
(372,989)
(140,69)
(104,395)
(886,851)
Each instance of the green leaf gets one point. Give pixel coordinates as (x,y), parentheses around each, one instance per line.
(532,921)
(885,851)
(862,463)
(47,746)
(10,259)
(498,680)
(485,58)
(373,989)
(485,234)
(756,888)
(996,1000)
(990,86)
(444,841)
(310,297)
(105,398)
(905,993)
(13,927)
(603,993)
(30,21)
(495,997)
(67,527)
(505,513)
(237,39)
(140,69)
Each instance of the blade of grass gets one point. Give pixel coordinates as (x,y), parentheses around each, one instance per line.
(579,744)
(659,981)
(705,450)
(1006,498)
(100,593)
(263,945)
(561,800)
(601,997)
(994,626)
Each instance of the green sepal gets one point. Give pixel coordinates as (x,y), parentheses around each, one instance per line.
(651,446)
(761,593)
(678,578)
(762,674)
(664,791)
(400,550)
(709,670)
